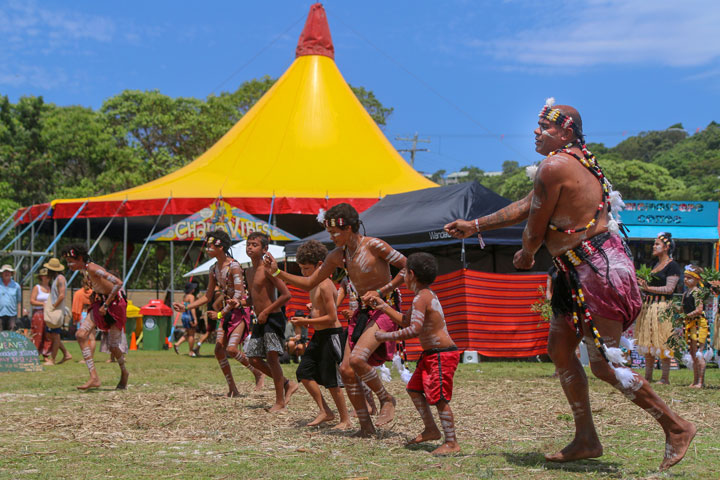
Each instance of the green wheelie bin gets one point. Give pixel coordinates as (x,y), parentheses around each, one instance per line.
(156,324)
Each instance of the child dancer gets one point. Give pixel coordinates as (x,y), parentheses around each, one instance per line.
(432,382)
(319,364)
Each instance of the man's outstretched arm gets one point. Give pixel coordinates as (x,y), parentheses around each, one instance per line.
(513,214)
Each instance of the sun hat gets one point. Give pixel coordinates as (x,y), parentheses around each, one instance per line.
(7,268)
(54,265)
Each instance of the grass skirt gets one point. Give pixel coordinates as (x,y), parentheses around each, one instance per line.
(652,331)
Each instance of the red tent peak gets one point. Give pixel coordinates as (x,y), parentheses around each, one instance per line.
(315,38)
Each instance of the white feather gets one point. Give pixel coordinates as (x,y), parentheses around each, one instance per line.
(699,354)
(397,362)
(627,343)
(531,171)
(625,376)
(406,375)
(550,101)
(687,360)
(385,374)
(616,201)
(615,355)
(708,354)
(613,226)
(321,216)
(667,353)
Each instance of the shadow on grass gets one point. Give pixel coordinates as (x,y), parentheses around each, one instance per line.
(536,459)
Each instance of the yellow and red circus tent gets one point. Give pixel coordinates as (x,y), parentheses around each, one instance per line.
(307,144)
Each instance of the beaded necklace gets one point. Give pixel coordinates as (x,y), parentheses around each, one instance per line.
(589,161)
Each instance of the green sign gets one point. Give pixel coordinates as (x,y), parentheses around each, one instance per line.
(17,353)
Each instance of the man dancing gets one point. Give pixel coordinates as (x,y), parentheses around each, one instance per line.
(108,312)
(367,261)
(595,295)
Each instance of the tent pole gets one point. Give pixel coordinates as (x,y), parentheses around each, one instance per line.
(22,232)
(125,279)
(54,248)
(172,271)
(9,228)
(125,247)
(97,241)
(87,230)
(462,255)
(53,244)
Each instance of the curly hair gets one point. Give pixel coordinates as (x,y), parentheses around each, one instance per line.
(219,236)
(311,252)
(262,236)
(76,250)
(347,212)
(424,266)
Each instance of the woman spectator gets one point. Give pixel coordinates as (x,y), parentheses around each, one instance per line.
(57,299)
(38,296)
(653,327)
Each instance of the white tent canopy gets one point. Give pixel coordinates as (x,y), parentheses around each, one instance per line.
(237,251)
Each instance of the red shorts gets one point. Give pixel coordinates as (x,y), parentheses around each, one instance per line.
(434,375)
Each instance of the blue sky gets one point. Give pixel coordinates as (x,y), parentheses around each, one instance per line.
(469,75)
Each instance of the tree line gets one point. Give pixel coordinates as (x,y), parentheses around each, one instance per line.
(656,165)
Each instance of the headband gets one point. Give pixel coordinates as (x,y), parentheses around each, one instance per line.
(556,116)
(665,239)
(690,271)
(71,253)
(335,222)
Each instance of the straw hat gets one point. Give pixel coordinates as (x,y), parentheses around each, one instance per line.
(42,271)
(54,265)
(7,268)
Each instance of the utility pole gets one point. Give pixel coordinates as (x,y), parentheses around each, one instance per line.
(414,148)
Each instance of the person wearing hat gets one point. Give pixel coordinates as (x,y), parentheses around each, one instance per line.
(38,296)
(10,299)
(57,299)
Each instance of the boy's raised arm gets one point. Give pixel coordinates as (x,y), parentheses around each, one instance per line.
(333,260)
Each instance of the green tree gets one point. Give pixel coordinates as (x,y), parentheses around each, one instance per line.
(638,180)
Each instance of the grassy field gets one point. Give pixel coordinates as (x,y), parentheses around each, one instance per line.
(175,422)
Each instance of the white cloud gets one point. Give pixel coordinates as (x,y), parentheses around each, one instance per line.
(659,32)
(33,76)
(33,23)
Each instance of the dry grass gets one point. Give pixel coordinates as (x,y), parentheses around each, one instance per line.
(174,421)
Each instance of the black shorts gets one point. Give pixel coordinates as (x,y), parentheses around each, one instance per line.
(322,357)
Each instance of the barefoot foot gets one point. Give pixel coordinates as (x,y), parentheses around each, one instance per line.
(290,388)
(364,433)
(276,408)
(65,358)
(92,383)
(426,436)
(259,382)
(577,450)
(677,443)
(322,418)
(122,385)
(343,426)
(233,393)
(387,412)
(447,448)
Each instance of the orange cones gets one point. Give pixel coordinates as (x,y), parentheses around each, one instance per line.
(133,342)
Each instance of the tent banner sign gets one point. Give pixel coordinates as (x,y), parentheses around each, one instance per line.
(220,216)
(18,353)
(660,212)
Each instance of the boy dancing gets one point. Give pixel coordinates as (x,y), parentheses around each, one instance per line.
(319,364)
(233,318)
(432,382)
(266,342)
(108,312)
(367,261)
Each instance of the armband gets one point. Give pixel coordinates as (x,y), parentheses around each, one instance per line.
(219,315)
(477,225)
(379,292)
(276,272)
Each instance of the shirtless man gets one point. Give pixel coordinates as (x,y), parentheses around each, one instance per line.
(596,282)
(108,312)
(432,382)
(234,317)
(266,342)
(367,261)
